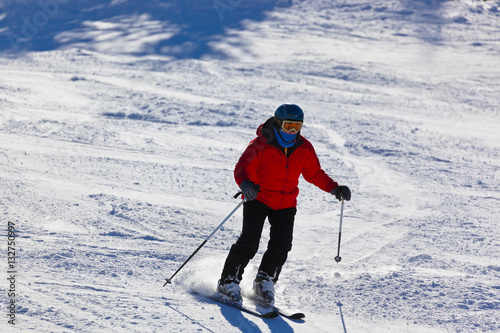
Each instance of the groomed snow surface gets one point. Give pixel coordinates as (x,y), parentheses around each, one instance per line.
(121,123)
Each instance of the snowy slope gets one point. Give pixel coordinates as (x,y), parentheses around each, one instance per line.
(121,122)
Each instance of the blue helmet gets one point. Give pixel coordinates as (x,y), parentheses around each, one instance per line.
(290,112)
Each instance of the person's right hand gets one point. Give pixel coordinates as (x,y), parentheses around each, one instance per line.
(249,190)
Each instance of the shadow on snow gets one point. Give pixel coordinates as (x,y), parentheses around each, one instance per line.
(178,28)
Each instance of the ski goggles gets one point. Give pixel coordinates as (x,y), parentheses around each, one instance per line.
(291,126)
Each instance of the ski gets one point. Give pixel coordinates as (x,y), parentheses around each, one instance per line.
(293,316)
(271,314)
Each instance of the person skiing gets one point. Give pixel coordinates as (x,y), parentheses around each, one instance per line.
(268,173)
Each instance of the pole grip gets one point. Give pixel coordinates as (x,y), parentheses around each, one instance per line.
(240,193)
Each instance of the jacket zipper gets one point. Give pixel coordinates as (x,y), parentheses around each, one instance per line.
(284,184)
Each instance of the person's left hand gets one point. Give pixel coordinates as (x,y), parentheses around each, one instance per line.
(342,192)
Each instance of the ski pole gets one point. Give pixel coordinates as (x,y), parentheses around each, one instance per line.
(338,258)
(169,281)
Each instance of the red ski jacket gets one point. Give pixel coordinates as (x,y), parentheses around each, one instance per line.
(264,163)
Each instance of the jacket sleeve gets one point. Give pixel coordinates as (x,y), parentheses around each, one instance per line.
(313,173)
(248,163)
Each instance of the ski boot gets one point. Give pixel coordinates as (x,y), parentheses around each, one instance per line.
(230,291)
(263,287)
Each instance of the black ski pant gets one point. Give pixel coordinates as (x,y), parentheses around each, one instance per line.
(245,248)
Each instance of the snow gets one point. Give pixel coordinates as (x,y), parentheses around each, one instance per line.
(121,123)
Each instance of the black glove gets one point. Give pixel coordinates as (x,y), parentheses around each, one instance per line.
(342,192)
(249,190)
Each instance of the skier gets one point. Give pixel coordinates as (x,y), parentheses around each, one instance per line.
(268,174)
